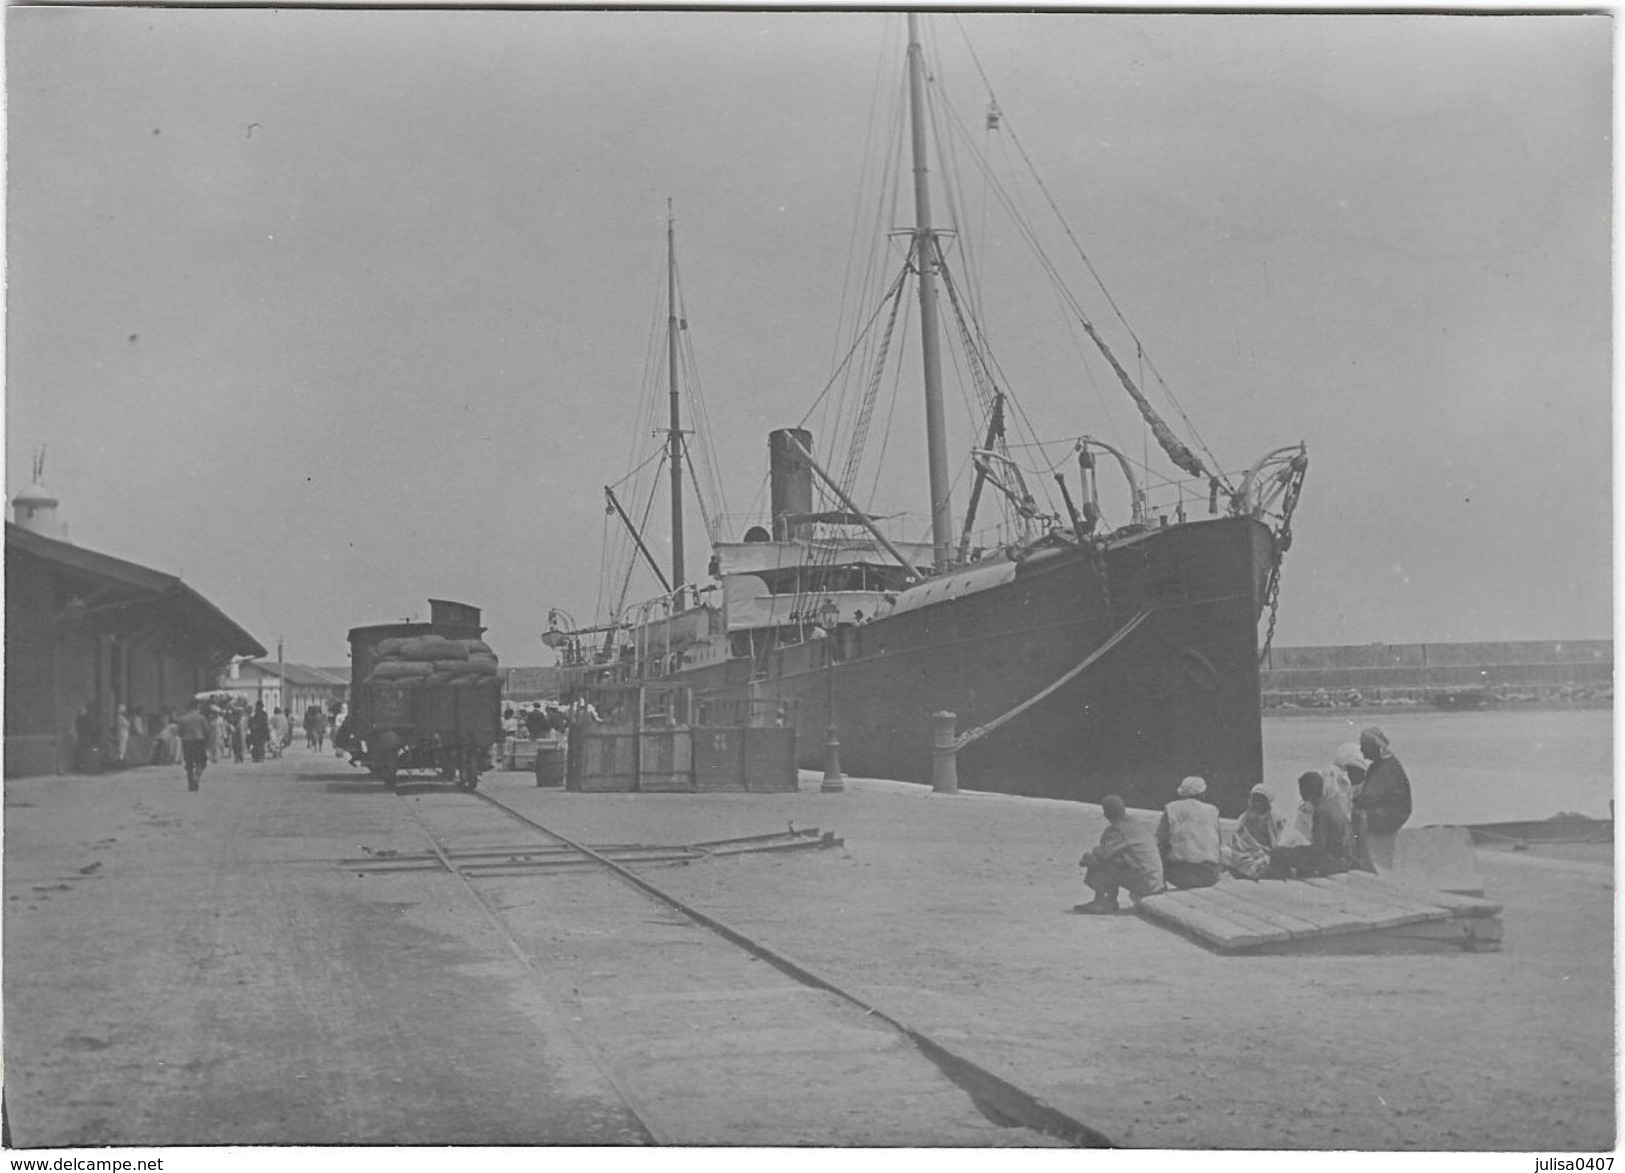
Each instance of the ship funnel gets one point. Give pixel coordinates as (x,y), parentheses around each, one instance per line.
(790,483)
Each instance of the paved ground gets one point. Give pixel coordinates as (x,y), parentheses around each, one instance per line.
(197,968)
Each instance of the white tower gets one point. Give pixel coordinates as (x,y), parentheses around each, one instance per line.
(35,508)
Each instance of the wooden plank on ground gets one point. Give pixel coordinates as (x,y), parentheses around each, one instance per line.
(1466,930)
(1267,919)
(1338,915)
(1384,911)
(1458,905)
(1349,888)
(1209,924)
(1256,904)
(1325,918)
(1209,899)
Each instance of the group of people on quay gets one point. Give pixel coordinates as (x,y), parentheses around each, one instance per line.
(1365,794)
(543,719)
(230,728)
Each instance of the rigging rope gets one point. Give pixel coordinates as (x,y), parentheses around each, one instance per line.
(860,427)
(1025,230)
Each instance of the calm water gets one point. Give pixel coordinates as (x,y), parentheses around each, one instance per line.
(1464,767)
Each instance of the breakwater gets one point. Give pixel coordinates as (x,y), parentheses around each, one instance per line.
(1447,675)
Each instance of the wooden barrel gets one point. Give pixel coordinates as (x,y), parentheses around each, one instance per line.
(550,758)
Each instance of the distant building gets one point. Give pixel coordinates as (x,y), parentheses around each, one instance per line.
(86,632)
(259,681)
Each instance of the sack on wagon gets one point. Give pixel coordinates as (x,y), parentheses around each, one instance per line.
(392,670)
(434,648)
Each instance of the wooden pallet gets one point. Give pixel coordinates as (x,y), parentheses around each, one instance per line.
(1352,912)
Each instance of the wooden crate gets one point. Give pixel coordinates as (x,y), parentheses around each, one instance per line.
(666,760)
(770,759)
(719,758)
(602,759)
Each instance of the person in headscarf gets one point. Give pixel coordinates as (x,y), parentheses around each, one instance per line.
(1346,776)
(1188,838)
(1126,857)
(1385,797)
(1253,838)
(1331,844)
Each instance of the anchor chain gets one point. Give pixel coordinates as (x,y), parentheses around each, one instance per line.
(1283,543)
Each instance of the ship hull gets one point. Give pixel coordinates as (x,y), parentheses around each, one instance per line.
(1179,694)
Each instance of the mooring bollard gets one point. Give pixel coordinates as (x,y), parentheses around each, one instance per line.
(944,754)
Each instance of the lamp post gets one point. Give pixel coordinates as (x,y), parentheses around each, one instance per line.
(829,618)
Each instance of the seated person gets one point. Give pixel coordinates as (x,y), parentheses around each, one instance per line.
(1247,855)
(1331,841)
(1188,838)
(1125,858)
(1346,777)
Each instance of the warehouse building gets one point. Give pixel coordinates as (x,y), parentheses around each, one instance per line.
(85,633)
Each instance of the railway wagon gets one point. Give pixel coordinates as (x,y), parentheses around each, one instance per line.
(424,696)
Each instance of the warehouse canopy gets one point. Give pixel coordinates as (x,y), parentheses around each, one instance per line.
(100,593)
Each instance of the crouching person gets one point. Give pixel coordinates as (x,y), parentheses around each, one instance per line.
(1188,838)
(1331,842)
(1126,858)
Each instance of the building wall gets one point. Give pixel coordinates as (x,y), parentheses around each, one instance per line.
(52,671)
(1530,665)
(1478,655)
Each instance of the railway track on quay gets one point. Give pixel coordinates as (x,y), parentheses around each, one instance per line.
(708,1035)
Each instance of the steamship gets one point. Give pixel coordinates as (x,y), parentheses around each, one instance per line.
(1066,655)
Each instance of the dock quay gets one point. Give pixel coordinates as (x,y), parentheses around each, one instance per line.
(294,956)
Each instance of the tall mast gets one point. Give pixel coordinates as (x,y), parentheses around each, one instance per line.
(675,435)
(926,260)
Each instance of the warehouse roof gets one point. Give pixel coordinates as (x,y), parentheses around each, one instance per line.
(114,595)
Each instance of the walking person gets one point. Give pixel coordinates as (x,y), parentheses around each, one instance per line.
(280,732)
(259,732)
(318,727)
(192,727)
(239,734)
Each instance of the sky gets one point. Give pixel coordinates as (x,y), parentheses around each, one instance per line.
(335,312)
